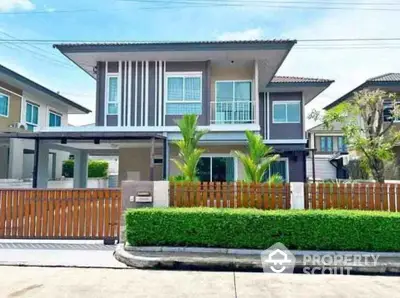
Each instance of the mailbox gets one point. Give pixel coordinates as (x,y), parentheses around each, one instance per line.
(143,197)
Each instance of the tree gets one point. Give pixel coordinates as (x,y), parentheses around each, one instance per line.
(366,130)
(189,155)
(258,160)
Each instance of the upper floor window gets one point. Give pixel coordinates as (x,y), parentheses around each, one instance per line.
(233,102)
(54,119)
(286,112)
(341,144)
(183,94)
(4,104)
(112,95)
(32,115)
(326,144)
(387,112)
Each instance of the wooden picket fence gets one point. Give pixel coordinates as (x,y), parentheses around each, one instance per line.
(368,196)
(60,213)
(229,195)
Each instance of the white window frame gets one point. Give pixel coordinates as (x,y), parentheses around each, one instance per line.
(187,74)
(8,105)
(212,155)
(118,101)
(57,114)
(26,109)
(286,160)
(234,81)
(279,102)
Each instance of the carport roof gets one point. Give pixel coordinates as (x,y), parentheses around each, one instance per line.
(85,135)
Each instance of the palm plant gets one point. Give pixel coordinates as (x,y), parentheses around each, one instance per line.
(189,155)
(258,160)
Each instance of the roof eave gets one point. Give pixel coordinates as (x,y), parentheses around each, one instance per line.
(32,84)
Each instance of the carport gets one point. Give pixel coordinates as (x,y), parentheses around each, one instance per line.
(83,144)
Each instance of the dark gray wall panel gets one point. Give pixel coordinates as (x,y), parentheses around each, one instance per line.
(285,130)
(133,88)
(204,67)
(263,114)
(151,95)
(139,94)
(122,100)
(112,120)
(100,94)
(113,67)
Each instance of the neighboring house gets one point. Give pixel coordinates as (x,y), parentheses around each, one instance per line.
(329,143)
(142,88)
(25,106)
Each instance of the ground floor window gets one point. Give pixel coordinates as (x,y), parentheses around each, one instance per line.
(216,169)
(278,167)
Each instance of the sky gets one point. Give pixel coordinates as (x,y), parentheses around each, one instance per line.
(348,63)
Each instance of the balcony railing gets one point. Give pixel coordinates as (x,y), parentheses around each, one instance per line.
(232,112)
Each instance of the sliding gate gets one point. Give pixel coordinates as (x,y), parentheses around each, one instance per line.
(60,214)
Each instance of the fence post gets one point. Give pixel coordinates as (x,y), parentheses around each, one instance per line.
(297,195)
(161,194)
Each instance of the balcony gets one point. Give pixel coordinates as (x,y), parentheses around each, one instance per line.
(232,112)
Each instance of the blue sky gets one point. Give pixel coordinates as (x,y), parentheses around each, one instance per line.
(123,20)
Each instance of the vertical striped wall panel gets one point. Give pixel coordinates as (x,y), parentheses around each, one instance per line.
(141,89)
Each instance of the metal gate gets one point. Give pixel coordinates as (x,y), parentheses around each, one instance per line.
(60,214)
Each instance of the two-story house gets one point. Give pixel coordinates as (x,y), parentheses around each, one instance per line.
(329,144)
(142,88)
(25,106)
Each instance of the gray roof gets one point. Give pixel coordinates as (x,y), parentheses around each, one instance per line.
(83,135)
(388,79)
(291,79)
(174,45)
(32,84)
(122,43)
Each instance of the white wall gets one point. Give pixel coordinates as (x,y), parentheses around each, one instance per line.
(45,106)
(323,168)
(67,183)
(22,165)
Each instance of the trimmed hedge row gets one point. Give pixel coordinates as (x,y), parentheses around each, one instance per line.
(257,229)
(96,168)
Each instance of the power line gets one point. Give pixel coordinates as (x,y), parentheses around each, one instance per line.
(288,4)
(330,40)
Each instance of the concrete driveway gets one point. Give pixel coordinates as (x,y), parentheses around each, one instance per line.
(74,282)
(58,253)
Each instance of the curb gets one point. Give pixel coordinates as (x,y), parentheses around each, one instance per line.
(242,260)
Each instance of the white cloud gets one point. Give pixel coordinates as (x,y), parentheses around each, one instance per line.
(250,34)
(11,5)
(348,67)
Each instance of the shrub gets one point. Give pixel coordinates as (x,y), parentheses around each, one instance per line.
(97,168)
(68,168)
(258,229)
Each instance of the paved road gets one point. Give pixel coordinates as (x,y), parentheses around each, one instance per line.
(76,282)
(62,253)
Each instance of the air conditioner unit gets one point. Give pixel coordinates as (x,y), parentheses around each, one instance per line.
(18,125)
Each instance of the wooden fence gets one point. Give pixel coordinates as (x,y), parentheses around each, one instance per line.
(60,213)
(370,196)
(229,195)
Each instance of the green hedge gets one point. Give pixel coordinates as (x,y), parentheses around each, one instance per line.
(97,168)
(257,229)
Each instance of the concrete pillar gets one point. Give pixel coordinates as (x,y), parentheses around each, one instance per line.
(16,159)
(43,166)
(297,195)
(161,194)
(81,169)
